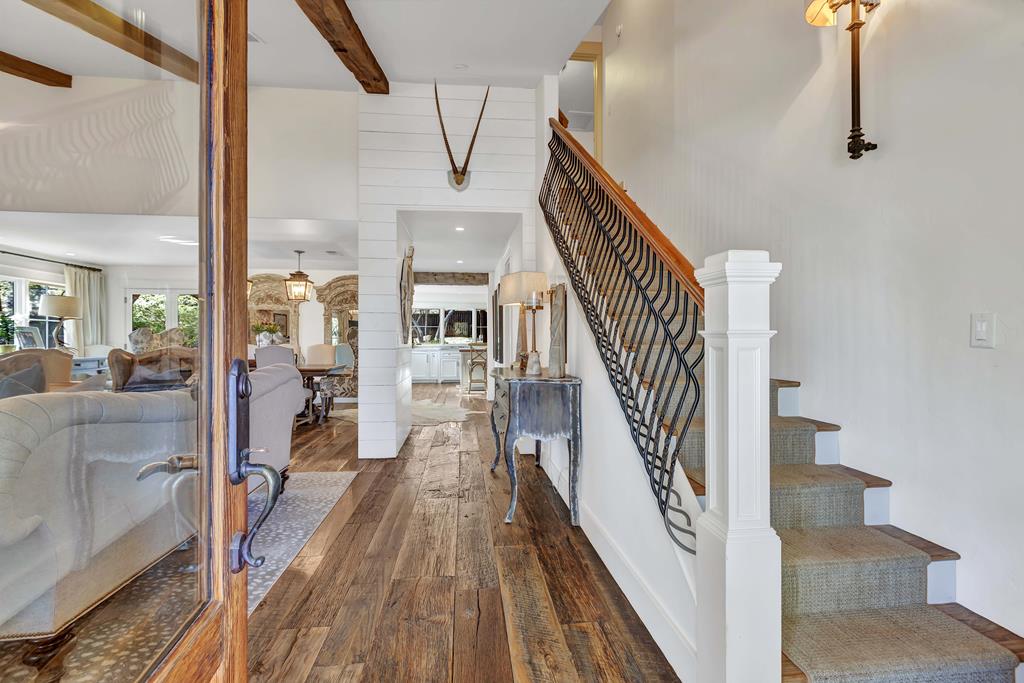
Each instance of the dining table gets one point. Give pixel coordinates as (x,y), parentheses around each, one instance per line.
(310,373)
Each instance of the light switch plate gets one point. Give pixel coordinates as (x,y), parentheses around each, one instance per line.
(983,330)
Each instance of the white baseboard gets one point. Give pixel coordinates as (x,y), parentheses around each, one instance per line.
(678,649)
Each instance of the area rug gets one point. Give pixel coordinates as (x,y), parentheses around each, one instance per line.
(425,413)
(300,510)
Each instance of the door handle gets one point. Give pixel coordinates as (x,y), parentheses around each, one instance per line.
(173,465)
(239,467)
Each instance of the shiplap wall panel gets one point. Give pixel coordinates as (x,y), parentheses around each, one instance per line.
(404,159)
(403,166)
(419,106)
(482,180)
(453,125)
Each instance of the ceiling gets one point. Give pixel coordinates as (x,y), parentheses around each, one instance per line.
(499,42)
(440,247)
(289,53)
(123,240)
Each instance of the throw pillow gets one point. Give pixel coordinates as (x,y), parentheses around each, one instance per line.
(31,380)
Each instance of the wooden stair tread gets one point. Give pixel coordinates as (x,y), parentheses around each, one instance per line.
(871,481)
(791,673)
(777,421)
(935,551)
(991,630)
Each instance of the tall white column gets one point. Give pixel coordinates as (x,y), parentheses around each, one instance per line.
(739,562)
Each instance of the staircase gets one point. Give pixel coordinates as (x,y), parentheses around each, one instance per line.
(855,597)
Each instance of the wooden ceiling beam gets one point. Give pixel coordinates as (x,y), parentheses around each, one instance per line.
(424,278)
(22,68)
(336,24)
(119,32)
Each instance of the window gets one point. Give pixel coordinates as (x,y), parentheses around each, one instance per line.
(165,309)
(426,323)
(44,324)
(458,327)
(7,297)
(481,324)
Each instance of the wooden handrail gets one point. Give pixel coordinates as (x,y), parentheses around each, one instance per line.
(674,260)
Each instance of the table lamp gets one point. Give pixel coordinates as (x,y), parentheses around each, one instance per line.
(525,289)
(62,307)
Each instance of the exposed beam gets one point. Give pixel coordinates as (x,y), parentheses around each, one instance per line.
(336,24)
(449,278)
(22,68)
(119,32)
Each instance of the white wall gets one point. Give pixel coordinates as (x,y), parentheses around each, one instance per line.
(451,296)
(728,122)
(403,165)
(136,145)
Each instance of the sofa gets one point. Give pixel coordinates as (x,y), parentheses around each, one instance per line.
(157,370)
(56,365)
(75,524)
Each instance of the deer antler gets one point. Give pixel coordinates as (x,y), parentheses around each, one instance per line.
(476,130)
(458,175)
(444,134)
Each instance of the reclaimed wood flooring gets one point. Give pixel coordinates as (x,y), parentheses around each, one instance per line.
(415,577)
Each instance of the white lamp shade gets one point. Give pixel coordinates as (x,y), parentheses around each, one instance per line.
(524,287)
(57,306)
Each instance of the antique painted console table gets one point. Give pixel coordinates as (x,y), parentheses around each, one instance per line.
(538,407)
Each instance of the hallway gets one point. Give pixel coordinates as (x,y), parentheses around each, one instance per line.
(414,576)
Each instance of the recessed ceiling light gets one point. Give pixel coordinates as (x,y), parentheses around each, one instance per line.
(177,240)
(332,252)
(460,67)
(460,229)
(459,261)
(69,253)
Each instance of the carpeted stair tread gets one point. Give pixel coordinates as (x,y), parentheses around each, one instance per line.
(846,569)
(791,439)
(808,496)
(915,644)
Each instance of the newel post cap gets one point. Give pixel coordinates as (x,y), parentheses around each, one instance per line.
(736,265)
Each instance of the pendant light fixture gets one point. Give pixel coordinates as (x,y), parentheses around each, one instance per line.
(298,286)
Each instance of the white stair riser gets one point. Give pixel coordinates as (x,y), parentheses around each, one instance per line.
(942,582)
(789,401)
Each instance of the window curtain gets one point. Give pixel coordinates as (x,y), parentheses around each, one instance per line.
(90,286)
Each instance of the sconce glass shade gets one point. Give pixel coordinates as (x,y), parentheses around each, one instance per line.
(823,12)
(525,288)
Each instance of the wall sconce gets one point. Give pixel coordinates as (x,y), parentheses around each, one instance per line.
(823,13)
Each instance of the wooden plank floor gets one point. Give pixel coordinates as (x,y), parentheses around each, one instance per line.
(415,577)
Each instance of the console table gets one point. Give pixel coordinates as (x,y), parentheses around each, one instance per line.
(537,407)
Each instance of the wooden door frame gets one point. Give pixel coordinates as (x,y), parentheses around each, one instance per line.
(213,646)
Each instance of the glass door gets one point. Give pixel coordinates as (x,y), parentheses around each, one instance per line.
(117,511)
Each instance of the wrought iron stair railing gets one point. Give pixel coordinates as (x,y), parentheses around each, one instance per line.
(644,308)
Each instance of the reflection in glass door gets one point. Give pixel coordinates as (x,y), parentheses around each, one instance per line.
(104,557)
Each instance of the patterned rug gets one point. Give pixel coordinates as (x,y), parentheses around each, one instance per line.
(307,499)
(119,640)
(425,413)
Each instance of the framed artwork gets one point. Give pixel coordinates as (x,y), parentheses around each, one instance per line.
(28,338)
(497,327)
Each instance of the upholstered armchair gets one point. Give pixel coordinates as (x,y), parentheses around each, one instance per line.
(170,367)
(56,365)
(277,395)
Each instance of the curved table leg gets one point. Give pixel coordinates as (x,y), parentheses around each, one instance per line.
(510,465)
(575,450)
(498,439)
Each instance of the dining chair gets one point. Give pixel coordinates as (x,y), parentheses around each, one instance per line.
(268,355)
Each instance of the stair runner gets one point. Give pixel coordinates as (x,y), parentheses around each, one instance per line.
(854,598)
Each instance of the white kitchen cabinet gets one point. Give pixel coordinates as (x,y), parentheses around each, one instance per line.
(450,365)
(436,364)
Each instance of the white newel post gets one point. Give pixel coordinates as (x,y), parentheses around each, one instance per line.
(739,572)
